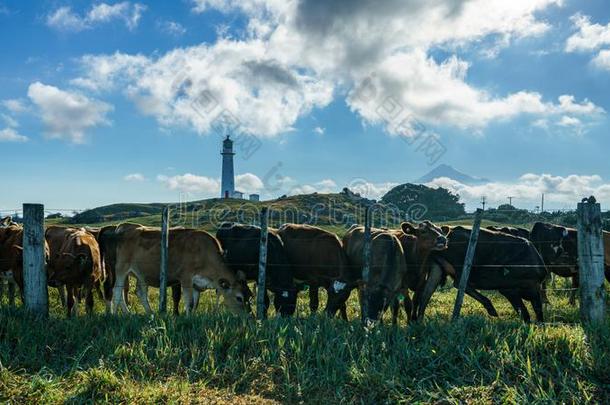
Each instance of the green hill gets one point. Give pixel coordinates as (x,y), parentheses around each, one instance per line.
(337,210)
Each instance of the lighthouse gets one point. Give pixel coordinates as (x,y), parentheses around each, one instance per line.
(227,185)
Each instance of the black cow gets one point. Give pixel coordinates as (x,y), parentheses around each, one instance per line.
(241,245)
(502,262)
(559,250)
(387,273)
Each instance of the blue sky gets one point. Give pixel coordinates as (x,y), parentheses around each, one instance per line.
(97,98)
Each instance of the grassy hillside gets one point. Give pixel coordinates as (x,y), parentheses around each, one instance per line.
(334,211)
(214,357)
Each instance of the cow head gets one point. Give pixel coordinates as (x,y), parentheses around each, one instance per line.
(429,236)
(248,295)
(379,298)
(226,283)
(233,292)
(553,241)
(64,266)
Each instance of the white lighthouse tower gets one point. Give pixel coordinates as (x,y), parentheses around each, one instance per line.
(227,185)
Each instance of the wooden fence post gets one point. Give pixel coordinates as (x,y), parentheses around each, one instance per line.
(35,291)
(164,260)
(472,246)
(591,261)
(261,291)
(366,259)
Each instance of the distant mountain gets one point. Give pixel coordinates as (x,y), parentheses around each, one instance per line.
(448,171)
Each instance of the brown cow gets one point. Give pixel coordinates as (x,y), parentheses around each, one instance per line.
(317,259)
(74,262)
(417,243)
(195,262)
(11,256)
(387,271)
(107,238)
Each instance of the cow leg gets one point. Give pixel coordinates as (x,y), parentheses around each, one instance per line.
(395,308)
(176,293)
(515,300)
(118,292)
(61,292)
(314,300)
(98,290)
(71,304)
(11,293)
(486,302)
(544,286)
(187,297)
(575,285)
(534,296)
(89,299)
(343,311)
(536,301)
(408,306)
(195,303)
(126,291)
(142,291)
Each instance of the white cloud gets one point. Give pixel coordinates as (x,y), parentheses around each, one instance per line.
(10,121)
(422,90)
(64,19)
(602,60)
(67,115)
(567,121)
(107,72)
(296,55)
(10,135)
(559,192)
(192,86)
(248,183)
(191,183)
(324,187)
(589,36)
(172,28)
(134,177)
(373,191)
(15,106)
(319,130)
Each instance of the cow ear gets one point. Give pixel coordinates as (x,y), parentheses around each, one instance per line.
(446,229)
(409,228)
(241,276)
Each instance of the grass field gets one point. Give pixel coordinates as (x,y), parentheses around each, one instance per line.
(215,357)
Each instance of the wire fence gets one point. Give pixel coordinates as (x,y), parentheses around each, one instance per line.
(384,217)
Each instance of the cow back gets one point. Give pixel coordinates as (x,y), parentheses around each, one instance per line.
(315,255)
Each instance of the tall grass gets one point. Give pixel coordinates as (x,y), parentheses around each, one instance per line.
(217,357)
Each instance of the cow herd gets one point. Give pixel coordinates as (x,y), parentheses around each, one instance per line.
(406,264)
